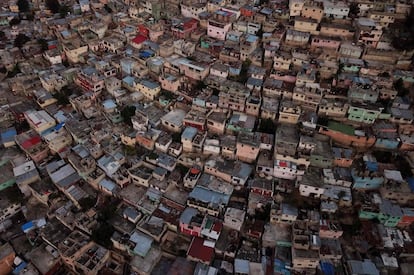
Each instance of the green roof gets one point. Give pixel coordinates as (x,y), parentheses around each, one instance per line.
(339,127)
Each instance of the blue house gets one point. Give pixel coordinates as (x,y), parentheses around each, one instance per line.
(366,180)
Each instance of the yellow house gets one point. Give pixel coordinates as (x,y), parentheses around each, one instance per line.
(383,18)
(149,88)
(313,9)
(305,24)
(337,30)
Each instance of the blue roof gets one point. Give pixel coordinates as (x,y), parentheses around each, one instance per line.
(27,226)
(205,195)
(20,268)
(109,104)
(8,135)
(146,54)
(189,133)
(129,80)
(143,243)
(327,268)
(411,183)
(107,184)
(150,84)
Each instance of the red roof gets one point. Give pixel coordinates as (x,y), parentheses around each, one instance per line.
(139,39)
(31,142)
(199,251)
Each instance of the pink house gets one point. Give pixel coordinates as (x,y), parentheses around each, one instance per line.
(169,82)
(247,147)
(220,24)
(191,222)
(325,42)
(194,70)
(138,41)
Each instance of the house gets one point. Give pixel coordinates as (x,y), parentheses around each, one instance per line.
(347,135)
(74,50)
(338,10)
(208,201)
(306,25)
(343,157)
(401,116)
(313,9)
(234,97)
(262,187)
(368,32)
(183,29)
(325,42)
(7,137)
(192,9)
(284,213)
(196,119)
(62,174)
(150,89)
(386,212)
(286,139)
(191,177)
(147,139)
(240,122)
(247,147)
(169,82)
(216,121)
(297,38)
(366,113)
(90,80)
(384,18)
(321,156)
(30,142)
(295,7)
(307,97)
(331,107)
(173,120)
(387,136)
(220,23)
(234,172)
(40,121)
(194,70)
(187,138)
(366,266)
(234,218)
(201,250)
(7,258)
(305,247)
(366,179)
(311,184)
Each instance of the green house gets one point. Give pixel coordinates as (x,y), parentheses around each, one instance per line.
(6,177)
(363,113)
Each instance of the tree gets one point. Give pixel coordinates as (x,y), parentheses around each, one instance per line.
(15,21)
(62,96)
(53,5)
(14,72)
(353,10)
(87,203)
(43,44)
(64,10)
(267,126)
(176,137)
(127,113)
(399,87)
(23,5)
(200,85)
(20,40)
(102,234)
(107,8)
